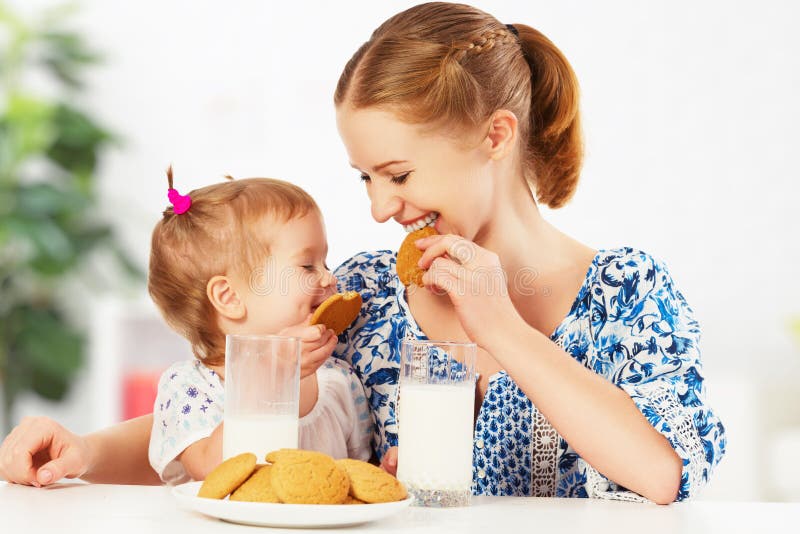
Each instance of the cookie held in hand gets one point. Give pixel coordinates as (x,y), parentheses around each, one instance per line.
(338,311)
(228,476)
(408,256)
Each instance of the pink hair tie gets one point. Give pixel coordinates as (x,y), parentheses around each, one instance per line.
(180,203)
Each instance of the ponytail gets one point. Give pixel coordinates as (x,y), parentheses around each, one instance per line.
(555,145)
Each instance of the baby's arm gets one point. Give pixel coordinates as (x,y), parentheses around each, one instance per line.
(309,393)
(317,344)
(202,456)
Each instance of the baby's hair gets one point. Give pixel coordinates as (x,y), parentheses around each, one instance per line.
(213,238)
(454,65)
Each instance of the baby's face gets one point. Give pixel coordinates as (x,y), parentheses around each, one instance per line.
(293,281)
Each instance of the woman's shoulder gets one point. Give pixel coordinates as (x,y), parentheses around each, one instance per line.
(370,271)
(629,270)
(623,280)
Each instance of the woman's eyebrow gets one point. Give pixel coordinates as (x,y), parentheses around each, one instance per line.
(377,168)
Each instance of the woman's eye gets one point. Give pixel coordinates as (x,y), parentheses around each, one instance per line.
(365,178)
(398,180)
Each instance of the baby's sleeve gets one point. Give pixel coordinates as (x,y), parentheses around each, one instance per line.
(359,442)
(188,407)
(648,345)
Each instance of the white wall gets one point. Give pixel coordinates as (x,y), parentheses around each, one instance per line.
(690,116)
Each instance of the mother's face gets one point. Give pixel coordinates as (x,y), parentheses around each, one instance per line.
(411,173)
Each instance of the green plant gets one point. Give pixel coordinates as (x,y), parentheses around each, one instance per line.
(49,226)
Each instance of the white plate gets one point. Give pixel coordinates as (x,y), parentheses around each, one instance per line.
(284,515)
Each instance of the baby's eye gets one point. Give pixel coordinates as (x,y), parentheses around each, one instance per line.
(309,268)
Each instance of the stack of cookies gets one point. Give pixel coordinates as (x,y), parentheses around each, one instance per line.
(294,476)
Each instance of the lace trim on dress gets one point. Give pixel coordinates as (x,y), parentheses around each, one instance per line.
(544,456)
(598,486)
(684,432)
(663,401)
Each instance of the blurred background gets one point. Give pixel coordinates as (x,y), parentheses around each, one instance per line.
(690,117)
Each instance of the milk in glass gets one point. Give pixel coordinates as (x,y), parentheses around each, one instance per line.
(441,415)
(259,434)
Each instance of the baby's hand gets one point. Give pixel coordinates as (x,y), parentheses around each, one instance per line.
(317,344)
(389,461)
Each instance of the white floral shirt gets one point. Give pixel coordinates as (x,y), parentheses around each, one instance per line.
(189,406)
(628,323)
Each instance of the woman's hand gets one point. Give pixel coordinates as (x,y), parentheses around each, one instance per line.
(473,279)
(40,452)
(389,461)
(317,344)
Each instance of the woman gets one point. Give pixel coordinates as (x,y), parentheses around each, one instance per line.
(590,376)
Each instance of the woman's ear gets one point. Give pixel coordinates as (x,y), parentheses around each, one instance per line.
(225,299)
(502,134)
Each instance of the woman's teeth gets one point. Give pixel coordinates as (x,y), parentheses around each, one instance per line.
(428,220)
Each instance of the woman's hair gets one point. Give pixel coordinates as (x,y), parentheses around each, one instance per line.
(455,65)
(213,238)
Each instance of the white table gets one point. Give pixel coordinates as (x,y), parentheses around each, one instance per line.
(112,509)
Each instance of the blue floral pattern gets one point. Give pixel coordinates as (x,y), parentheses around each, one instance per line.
(628,324)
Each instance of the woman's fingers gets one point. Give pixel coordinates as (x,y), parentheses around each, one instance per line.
(40,440)
(69,464)
(447,276)
(389,461)
(455,247)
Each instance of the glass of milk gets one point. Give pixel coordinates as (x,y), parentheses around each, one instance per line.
(262,392)
(435,411)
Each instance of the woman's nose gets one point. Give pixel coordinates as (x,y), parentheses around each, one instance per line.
(385,205)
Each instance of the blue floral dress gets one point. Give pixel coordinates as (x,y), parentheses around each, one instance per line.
(628,324)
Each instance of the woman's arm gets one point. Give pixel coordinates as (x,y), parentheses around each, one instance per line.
(40,452)
(118,454)
(599,420)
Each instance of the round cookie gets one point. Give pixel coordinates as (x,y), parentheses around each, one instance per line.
(228,476)
(352,500)
(307,477)
(338,311)
(257,488)
(408,256)
(370,483)
(282,455)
